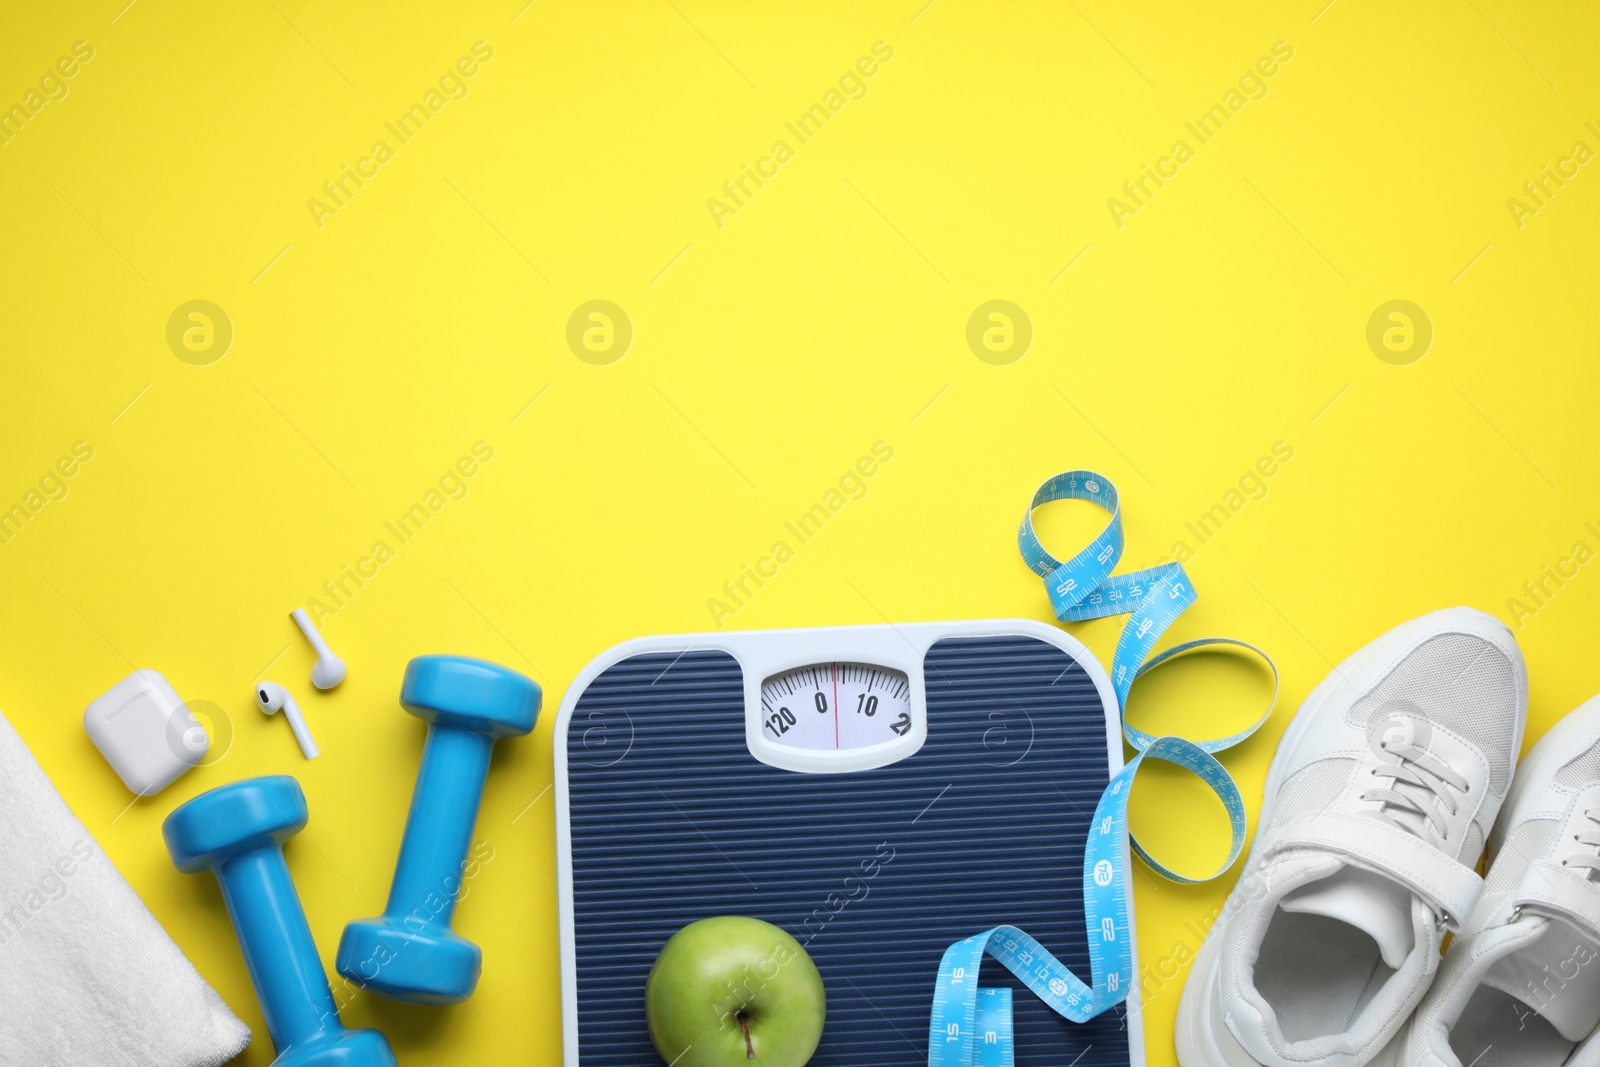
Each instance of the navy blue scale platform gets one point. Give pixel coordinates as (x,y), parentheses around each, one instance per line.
(666,817)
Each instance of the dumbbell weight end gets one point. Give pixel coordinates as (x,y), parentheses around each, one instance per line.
(410,953)
(237,831)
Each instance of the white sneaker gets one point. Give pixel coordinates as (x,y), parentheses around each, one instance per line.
(1520,986)
(1377,805)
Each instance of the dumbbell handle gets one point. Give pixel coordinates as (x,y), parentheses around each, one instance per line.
(278,950)
(444,809)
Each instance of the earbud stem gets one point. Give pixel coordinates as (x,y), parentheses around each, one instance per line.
(302,733)
(303,621)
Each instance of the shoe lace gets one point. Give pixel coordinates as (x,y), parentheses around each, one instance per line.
(1589,865)
(1421,784)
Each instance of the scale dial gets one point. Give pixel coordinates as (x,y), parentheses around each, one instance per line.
(835,707)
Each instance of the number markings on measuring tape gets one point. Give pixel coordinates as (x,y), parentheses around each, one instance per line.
(1082,588)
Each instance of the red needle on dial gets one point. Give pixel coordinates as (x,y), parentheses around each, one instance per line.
(835,705)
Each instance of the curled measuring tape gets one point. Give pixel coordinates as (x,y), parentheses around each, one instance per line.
(971,1026)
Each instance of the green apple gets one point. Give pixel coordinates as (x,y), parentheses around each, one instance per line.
(730,990)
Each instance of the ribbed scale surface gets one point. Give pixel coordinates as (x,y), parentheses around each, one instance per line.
(673,820)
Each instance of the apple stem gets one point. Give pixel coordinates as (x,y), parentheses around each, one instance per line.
(749,1049)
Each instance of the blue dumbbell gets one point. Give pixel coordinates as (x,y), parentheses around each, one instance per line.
(409,953)
(237,832)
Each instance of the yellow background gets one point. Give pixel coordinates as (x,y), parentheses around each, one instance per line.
(827,314)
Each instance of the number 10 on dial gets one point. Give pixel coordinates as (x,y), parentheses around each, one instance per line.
(836,706)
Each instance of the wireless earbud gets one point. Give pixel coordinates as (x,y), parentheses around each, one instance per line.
(330,669)
(273,698)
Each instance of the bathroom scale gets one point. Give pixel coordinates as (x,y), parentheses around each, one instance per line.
(879,792)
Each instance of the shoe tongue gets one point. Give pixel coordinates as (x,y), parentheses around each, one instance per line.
(1370,902)
(1553,975)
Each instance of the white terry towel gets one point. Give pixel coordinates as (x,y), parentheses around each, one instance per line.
(87,975)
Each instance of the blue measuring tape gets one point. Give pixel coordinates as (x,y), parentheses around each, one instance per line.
(971,1026)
